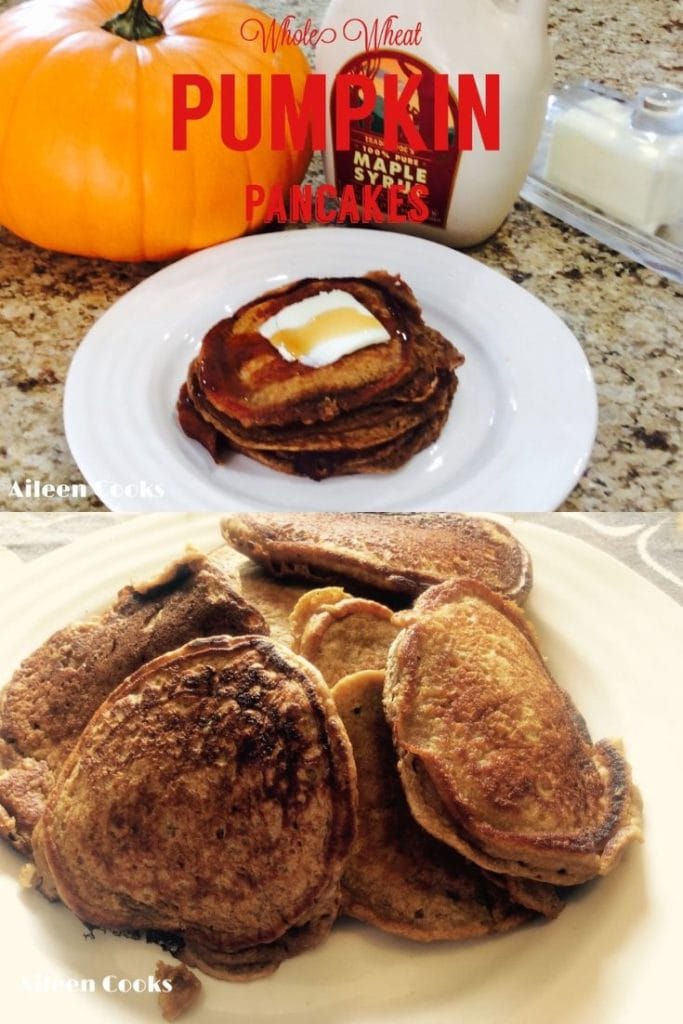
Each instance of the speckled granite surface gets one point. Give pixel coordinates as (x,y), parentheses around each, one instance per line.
(629,320)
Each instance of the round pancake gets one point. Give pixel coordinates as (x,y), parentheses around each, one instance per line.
(308,605)
(398,877)
(493,756)
(56,689)
(394,553)
(350,635)
(212,796)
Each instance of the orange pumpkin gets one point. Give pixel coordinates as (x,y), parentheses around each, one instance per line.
(86,158)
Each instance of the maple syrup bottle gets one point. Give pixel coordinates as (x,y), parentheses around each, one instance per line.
(449,101)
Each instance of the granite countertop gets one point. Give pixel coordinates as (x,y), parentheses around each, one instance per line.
(628,319)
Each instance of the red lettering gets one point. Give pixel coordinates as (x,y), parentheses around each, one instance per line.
(301,204)
(322,215)
(441,111)
(255,194)
(372,212)
(348,206)
(486,114)
(272,38)
(305,120)
(416,116)
(183,111)
(310,36)
(276,208)
(348,87)
(395,196)
(252,135)
(420,210)
(397,113)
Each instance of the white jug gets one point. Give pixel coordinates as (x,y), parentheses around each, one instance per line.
(470,192)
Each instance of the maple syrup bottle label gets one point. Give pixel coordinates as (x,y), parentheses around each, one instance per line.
(408,138)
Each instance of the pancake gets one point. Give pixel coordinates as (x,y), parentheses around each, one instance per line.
(319,464)
(540,897)
(359,430)
(398,877)
(494,758)
(261,961)
(23,790)
(54,692)
(274,599)
(394,553)
(351,634)
(211,796)
(368,411)
(309,604)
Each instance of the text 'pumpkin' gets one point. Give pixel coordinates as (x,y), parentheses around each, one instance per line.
(86,158)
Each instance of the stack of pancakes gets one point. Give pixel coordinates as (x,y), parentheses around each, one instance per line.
(368,412)
(480,788)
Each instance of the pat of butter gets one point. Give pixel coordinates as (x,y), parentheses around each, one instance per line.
(634,176)
(321,329)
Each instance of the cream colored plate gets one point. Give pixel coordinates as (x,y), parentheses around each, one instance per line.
(11,567)
(613,640)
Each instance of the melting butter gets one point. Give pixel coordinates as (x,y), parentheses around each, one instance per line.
(323,328)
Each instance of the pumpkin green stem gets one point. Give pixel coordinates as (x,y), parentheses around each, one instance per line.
(134,23)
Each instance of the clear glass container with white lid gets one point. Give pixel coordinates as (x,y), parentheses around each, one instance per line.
(611,165)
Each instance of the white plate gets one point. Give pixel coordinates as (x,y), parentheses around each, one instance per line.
(613,640)
(11,567)
(518,438)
